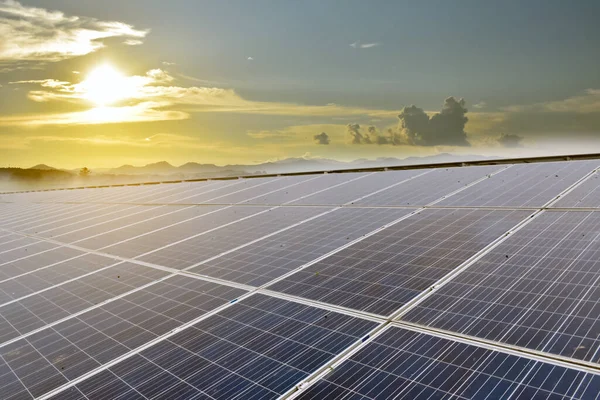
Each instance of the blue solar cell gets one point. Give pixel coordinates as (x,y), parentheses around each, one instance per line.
(538,289)
(386,270)
(258,348)
(403,364)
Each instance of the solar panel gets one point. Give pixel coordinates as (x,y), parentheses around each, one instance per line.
(151,234)
(476,282)
(410,365)
(386,270)
(32,258)
(370,186)
(49,306)
(25,251)
(196,248)
(585,195)
(258,348)
(538,290)
(47,275)
(429,187)
(53,356)
(267,259)
(523,185)
(247,189)
(307,188)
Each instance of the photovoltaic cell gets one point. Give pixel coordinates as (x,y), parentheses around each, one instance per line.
(246,189)
(307,188)
(523,185)
(429,187)
(51,213)
(66,351)
(366,186)
(77,214)
(539,289)
(586,194)
(199,248)
(115,218)
(24,249)
(81,220)
(12,241)
(42,278)
(272,257)
(384,271)
(258,348)
(21,317)
(150,235)
(402,364)
(29,263)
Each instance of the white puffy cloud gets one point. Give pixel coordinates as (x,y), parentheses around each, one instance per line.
(36,34)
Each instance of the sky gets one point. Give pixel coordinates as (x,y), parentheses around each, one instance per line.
(101,84)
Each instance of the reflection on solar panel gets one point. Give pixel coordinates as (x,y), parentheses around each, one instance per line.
(465,282)
(523,185)
(385,271)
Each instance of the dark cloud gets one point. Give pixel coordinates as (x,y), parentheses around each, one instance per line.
(373,136)
(356,135)
(416,128)
(510,140)
(444,128)
(321,138)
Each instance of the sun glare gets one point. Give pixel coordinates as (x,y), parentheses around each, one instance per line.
(105,85)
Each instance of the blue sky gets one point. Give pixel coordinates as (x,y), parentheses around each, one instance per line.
(512,61)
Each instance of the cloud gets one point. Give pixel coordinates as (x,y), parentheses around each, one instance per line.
(141,112)
(444,128)
(160,140)
(321,138)
(374,136)
(37,34)
(133,42)
(510,140)
(250,58)
(359,45)
(480,105)
(576,117)
(156,86)
(417,128)
(356,135)
(168,64)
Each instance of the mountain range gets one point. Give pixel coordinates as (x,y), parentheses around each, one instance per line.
(297,164)
(43,176)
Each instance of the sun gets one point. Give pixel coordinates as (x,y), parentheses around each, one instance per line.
(105,85)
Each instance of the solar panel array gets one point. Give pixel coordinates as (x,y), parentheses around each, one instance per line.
(467,282)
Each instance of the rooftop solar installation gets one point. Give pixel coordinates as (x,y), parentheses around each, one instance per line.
(450,282)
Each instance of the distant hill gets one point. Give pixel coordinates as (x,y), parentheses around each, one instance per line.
(44,176)
(161,167)
(44,167)
(294,164)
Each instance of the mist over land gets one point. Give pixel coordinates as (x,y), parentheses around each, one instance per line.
(43,176)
